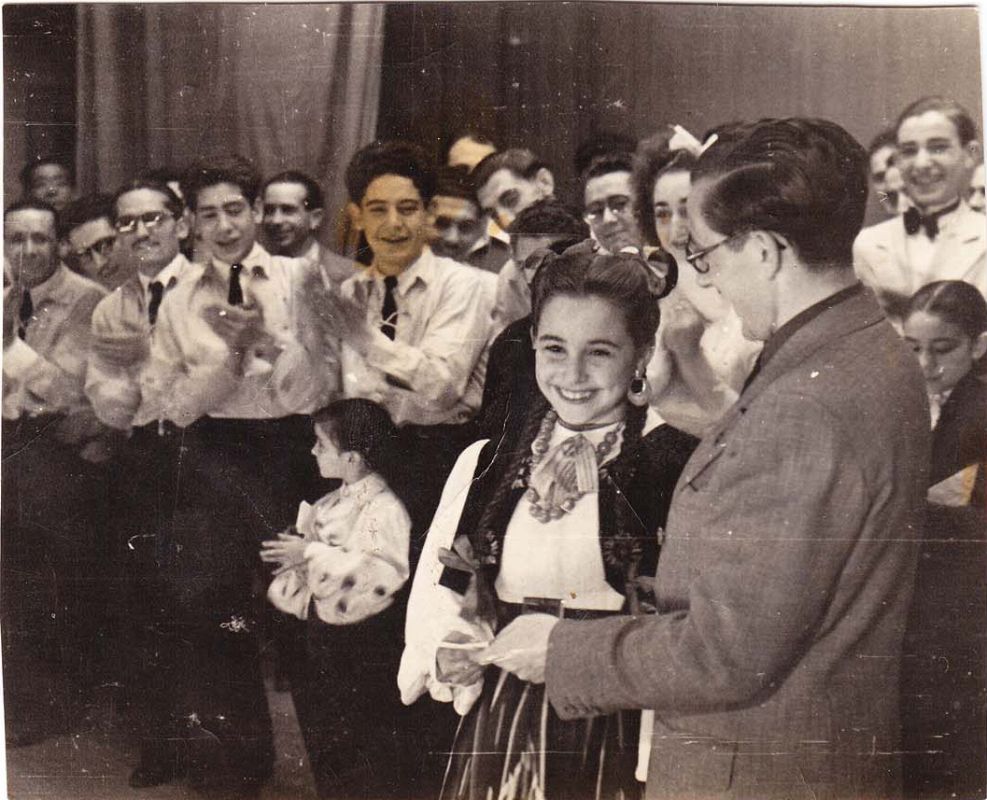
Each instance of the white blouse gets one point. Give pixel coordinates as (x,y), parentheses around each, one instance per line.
(559,559)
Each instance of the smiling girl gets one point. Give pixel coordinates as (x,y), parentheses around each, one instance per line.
(560,515)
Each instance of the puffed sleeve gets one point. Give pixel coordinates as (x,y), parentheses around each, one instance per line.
(434,610)
(352,583)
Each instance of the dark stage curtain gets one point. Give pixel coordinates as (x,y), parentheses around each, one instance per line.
(547,75)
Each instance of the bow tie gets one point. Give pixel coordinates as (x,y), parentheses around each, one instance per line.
(916,221)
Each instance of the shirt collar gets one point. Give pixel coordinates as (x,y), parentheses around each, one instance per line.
(167,276)
(50,287)
(313,253)
(364,489)
(422,269)
(255,264)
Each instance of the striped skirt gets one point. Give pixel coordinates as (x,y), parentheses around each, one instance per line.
(513,746)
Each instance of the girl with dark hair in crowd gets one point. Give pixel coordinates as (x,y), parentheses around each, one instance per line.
(945,651)
(561,514)
(342,567)
(702,358)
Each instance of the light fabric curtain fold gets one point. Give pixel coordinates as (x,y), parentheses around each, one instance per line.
(288,86)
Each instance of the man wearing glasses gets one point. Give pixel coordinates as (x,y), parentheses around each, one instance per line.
(88,237)
(149,227)
(608,204)
(788,561)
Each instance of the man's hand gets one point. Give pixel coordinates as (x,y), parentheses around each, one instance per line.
(684,329)
(522,647)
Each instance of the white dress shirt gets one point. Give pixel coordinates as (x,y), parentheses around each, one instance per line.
(187,376)
(427,374)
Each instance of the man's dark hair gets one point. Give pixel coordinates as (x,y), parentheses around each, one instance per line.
(313,192)
(233,169)
(519,161)
(550,217)
(605,164)
(601,144)
(885,138)
(455,182)
(966,128)
(85,209)
(27,172)
(172,201)
(29,203)
(390,158)
(164,174)
(477,135)
(805,179)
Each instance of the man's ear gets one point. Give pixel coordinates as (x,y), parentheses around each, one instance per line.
(355,214)
(531,335)
(979,346)
(315,219)
(545,181)
(258,210)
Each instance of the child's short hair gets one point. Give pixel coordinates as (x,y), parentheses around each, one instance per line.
(232,169)
(360,426)
(390,158)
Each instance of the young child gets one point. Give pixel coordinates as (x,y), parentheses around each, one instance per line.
(346,560)
(347,555)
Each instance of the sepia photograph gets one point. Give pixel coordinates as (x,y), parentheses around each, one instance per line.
(493,401)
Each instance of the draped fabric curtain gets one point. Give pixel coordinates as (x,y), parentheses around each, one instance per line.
(288,86)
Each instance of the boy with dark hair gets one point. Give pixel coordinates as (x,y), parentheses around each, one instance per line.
(940,237)
(235,362)
(509,181)
(457,227)
(413,325)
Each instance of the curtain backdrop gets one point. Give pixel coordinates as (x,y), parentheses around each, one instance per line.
(546,75)
(289,86)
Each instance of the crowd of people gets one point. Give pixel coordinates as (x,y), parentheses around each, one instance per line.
(677,494)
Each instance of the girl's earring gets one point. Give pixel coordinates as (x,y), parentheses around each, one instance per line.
(638,393)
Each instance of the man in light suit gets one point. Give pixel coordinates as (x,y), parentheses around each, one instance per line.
(940,237)
(789,556)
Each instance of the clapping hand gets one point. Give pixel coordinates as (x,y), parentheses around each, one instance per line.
(121,350)
(239,327)
(339,316)
(288,550)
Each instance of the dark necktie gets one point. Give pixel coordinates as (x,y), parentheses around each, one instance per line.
(236,291)
(916,221)
(25,313)
(157,292)
(389,311)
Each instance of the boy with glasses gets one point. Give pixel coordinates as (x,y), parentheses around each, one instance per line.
(608,202)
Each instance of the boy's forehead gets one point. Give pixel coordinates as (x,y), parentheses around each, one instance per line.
(391,188)
(219,194)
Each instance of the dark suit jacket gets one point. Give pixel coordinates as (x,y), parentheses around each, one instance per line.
(783,584)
